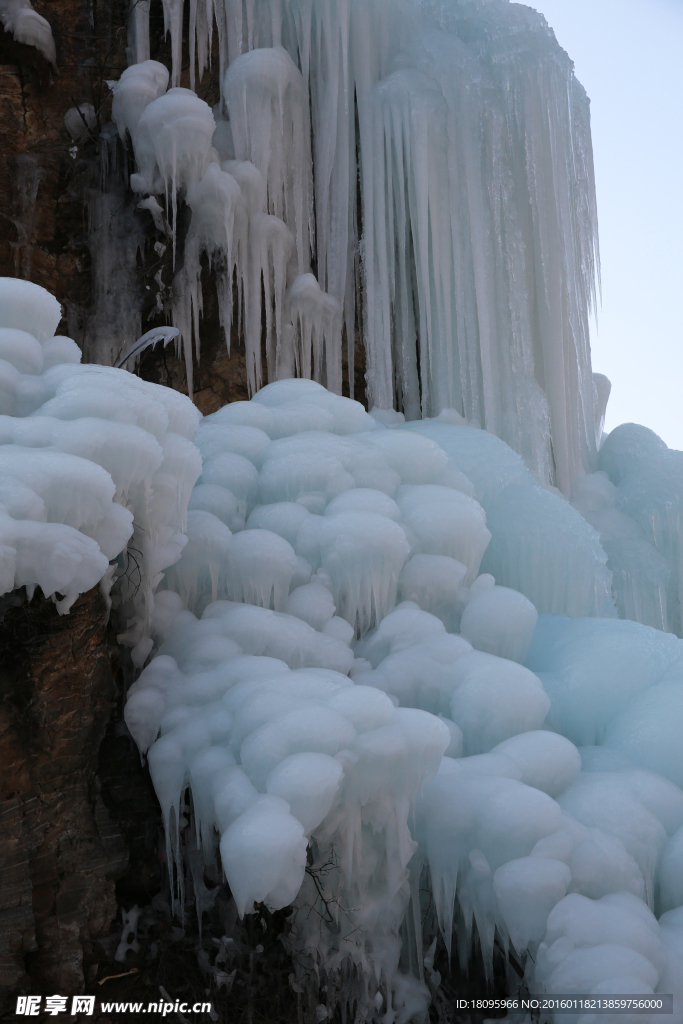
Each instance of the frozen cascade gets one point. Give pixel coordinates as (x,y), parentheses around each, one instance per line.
(359,712)
(383,656)
(218,228)
(271,246)
(265,98)
(317,318)
(400,716)
(460,135)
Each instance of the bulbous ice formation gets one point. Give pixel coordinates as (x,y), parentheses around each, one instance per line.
(319,722)
(97,467)
(174,134)
(387,648)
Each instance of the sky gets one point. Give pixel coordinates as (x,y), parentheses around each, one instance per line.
(628,55)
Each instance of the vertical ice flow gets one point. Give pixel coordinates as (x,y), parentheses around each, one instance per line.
(434,162)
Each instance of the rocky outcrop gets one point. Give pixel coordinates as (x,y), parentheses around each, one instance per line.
(60,851)
(44,231)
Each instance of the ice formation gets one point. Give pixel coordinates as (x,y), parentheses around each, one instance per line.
(96,468)
(28,27)
(388,660)
(431,162)
(359,711)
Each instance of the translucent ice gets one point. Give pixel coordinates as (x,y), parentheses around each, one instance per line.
(591,668)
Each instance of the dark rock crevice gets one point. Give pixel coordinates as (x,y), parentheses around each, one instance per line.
(61,852)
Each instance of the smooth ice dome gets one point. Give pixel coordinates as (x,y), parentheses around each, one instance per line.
(499,621)
(494,699)
(29,308)
(434,583)
(527,890)
(264,852)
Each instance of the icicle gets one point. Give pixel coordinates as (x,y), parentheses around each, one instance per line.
(139,30)
(265,96)
(271,244)
(173,23)
(219,228)
(317,317)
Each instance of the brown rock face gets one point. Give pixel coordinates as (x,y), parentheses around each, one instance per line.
(60,852)
(44,229)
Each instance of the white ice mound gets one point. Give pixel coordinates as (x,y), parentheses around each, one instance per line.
(264,853)
(434,582)
(337,686)
(96,466)
(28,307)
(499,621)
(592,941)
(172,142)
(138,86)
(526,890)
(495,699)
(446,522)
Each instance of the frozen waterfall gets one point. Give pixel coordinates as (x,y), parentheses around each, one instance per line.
(348,700)
(381,665)
(431,162)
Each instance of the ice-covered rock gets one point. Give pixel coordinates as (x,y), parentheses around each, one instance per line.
(28,27)
(97,467)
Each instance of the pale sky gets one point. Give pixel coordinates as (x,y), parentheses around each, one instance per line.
(628,55)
